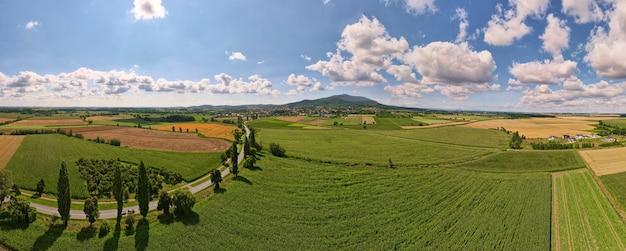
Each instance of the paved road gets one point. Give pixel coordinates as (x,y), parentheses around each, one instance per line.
(112,213)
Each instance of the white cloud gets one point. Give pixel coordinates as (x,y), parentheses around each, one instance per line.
(260,62)
(31,24)
(408,90)
(228,85)
(546,72)
(291,92)
(416,7)
(576,94)
(448,63)
(583,11)
(148,9)
(237,56)
(305,57)
(606,50)
(556,37)
(347,72)
(508,26)
(460,92)
(461,14)
(299,80)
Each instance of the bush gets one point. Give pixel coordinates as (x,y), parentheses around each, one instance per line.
(277,150)
(104,229)
(183,201)
(130,221)
(115,142)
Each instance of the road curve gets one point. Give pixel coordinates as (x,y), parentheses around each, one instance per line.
(112,213)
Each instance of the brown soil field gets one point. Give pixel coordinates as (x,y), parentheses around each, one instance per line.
(5,119)
(316,122)
(160,140)
(538,127)
(84,129)
(291,118)
(208,130)
(49,122)
(8,146)
(605,161)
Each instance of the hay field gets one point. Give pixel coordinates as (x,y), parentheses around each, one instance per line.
(539,127)
(49,122)
(8,146)
(291,118)
(368,119)
(605,161)
(208,130)
(160,140)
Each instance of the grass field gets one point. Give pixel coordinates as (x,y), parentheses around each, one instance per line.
(209,130)
(290,204)
(8,146)
(584,218)
(40,156)
(366,147)
(528,161)
(455,136)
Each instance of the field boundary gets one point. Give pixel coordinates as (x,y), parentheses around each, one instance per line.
(605,191)
(10,144)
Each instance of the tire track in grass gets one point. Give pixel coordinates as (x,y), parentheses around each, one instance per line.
(580,213)
(603,212)
(555,219)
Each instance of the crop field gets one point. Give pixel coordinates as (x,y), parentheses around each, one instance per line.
(605,161)
(208,130)
(291,204)
(8,146)
(5,119)
(616,122)
(368,119)
(40,156)
(455,136)
(527,161)
(159,140)
(583,216)
(539,127)
(364,147)
(48,122)
(616,186)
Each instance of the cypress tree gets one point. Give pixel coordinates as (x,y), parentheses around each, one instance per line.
(233,157)
(118,192)
(143,190)
(64,199)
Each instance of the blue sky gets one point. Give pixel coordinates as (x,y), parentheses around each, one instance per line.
(515,55)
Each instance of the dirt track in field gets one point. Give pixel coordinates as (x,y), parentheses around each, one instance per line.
(159,140)
(8,146)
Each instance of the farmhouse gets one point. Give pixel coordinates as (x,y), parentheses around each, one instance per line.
(609,139)
(580,136)
(552,138)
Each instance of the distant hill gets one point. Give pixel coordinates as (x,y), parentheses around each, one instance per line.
(343,100)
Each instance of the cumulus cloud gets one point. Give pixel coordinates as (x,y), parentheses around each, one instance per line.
(408,90)
(303,83)
(415,7)
(546,72)
(576,94)
(31,24)
(556,37)
(461,15)
(148,9)
(460,92)
(299,80)
(229,85)
(237,56)
(583,11)
(507,26)
(606,50)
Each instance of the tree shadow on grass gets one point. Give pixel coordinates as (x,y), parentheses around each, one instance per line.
(255,168)
(112,243)
(45,241)
(142,235)
(219,191)
(86,233)
(190,219)
(244,180)
(166,218)
(8,224)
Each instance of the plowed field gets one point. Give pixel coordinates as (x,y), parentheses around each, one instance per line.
(208,130)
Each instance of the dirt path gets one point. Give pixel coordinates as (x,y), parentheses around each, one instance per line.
(8,146)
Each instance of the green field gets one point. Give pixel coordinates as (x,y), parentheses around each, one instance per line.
(131,122)
(616,185)
(455,136)
(585,219)
(40,156)
(291,204)
(528,161)
(364,147)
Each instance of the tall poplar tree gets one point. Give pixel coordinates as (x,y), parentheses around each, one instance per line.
(143,190)
(234,168)
(64,199)
(118,191)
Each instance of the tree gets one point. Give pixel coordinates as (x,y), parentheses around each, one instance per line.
(250,161)
(183,201)
(118,192)
(20,210)
(252,139)
(277,150)
(246,148)
(64,200)
(516,141)
(216,178)
(143,190)
(6,182)
(237,135)
(41,185)
(16,189)
(165,201)
(91,209)
(234,159)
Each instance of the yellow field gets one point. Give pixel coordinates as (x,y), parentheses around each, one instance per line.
(605,161)
(368,119)
(541,127)
(208,130)
(8,146)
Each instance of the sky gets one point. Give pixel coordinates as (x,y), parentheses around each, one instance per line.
(488,55)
